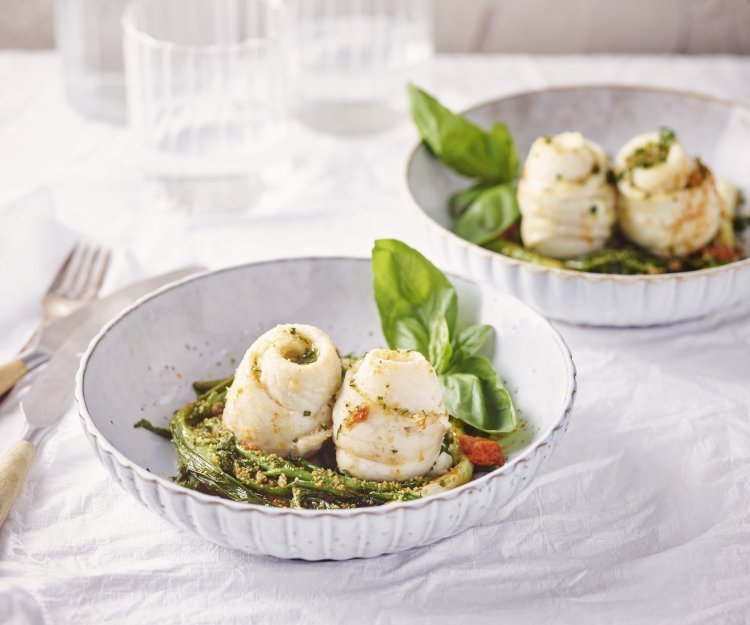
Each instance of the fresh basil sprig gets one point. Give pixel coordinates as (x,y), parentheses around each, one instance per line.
(462,145)
(418,310)
(487,209)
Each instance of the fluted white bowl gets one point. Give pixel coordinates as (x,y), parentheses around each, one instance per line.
(717,131)
(142,364)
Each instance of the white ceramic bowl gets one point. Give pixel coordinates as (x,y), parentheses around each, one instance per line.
(142,363)
(717,131)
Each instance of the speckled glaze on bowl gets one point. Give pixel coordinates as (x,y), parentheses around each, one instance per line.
(142,363)
(717,131)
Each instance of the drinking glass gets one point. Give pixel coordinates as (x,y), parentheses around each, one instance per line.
(206,88)
(351,60)
(89,37)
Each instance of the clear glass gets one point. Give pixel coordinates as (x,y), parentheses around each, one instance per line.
(351,60)
(206,86)
(89,38)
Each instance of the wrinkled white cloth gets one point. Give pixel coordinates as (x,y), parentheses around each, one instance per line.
(642,515)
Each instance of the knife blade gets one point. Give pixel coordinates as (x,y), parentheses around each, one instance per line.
(52,390)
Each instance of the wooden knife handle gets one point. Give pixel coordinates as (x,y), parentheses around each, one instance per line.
(10,373)
(14,467)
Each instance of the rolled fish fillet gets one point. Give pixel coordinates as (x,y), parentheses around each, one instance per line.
(389,419)
(730,199)
(281,398)
(669,203)
(567,204)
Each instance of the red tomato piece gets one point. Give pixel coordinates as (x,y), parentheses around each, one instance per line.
(483,452)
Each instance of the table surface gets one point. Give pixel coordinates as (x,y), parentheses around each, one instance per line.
(641,516)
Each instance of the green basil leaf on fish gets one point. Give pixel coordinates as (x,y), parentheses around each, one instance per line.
(418,309)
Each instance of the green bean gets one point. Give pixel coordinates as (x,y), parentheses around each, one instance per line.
(625,260)
(155,429)
(519,252)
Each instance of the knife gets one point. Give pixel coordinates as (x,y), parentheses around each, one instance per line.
(52,391)
(57,332)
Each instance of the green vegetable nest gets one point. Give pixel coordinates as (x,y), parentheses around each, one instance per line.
(418,307)
(213,461)
(487,213)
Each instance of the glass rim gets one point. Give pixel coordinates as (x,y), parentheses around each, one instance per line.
(131,31)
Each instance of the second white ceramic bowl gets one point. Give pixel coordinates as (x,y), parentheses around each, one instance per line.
(717,131)
(142,364)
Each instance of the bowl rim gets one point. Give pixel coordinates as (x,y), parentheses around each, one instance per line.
(571,274)
(102,443)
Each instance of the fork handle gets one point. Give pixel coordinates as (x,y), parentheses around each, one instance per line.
(14,467)
(10,373)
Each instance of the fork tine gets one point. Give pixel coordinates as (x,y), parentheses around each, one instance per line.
(62,272)
(96,275)
(79,272)
(84,275)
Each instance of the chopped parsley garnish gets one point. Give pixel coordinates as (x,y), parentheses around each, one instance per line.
(653,153)
(667,137)
(308,356)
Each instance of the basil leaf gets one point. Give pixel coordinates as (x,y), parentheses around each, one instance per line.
(440,302)
(408,285)
(504,151)
(409,333)
(464,398)
(440,350)
(462,145)
(489,215)
(470,340)
(498,415)
(461,200)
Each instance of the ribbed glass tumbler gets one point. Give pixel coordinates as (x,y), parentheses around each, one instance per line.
(90,44)
(206,87)
(351,60)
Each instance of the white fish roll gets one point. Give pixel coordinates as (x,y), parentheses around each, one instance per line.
(669,203)
(390,419)
(730,197)
(281,398)
(567,204)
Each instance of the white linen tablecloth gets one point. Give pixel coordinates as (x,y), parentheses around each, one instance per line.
(641,516)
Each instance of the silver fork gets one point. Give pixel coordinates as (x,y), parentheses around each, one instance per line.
(77,282)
